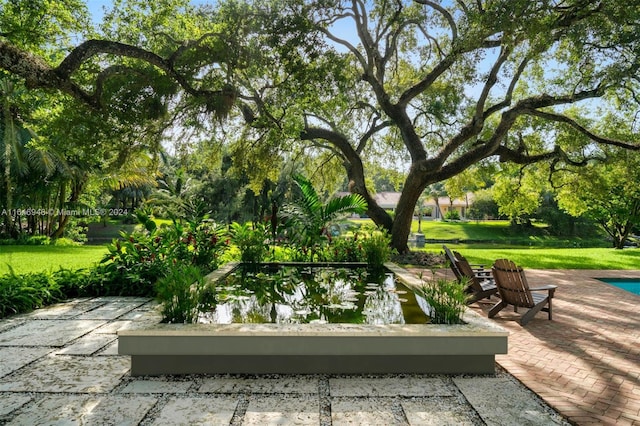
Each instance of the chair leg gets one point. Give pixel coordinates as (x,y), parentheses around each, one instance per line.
(532,312)
(472,299)
(496,308)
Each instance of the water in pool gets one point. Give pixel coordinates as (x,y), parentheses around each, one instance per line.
(629,284)
(313,295)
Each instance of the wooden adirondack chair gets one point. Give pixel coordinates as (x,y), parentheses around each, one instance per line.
(481,284)
(514,290)
(452,263)
(454,257)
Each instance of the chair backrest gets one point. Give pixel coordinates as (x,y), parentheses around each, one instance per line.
(453,263)
(467,271)
(512,283)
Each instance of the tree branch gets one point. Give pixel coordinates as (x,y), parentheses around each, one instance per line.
(369,133)
(491,81)
(599,139)
(509,94)
(354,168)
(445,13)
(37,73)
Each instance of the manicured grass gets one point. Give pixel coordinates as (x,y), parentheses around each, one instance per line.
(497,232)
(485,230)
(24,259)
(552,258)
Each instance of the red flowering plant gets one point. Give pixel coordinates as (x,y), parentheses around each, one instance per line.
(137,260)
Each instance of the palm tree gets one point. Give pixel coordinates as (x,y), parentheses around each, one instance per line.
(436,190)
(27,169)
(10,140)
(312,217)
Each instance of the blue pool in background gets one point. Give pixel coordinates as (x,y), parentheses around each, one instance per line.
(629,284)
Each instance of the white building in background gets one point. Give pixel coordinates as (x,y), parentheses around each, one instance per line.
(430,210)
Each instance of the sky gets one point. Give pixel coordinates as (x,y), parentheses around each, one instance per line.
(96,7)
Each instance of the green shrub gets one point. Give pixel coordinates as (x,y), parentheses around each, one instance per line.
(73,282)
(27,240)
(136,261)
(76,231)
(452,215)
(344,249)
(64,242)
(179,293)
(131,267)
(377,248)
(447,300)
(252,242)
(25,292)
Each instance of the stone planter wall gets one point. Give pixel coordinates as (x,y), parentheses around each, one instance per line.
(316,348)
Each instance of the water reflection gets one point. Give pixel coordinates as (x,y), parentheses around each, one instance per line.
(312,295)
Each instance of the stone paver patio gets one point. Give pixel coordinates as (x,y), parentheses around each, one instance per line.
(59,365)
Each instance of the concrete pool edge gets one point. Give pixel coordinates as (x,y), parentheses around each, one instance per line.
(316,348)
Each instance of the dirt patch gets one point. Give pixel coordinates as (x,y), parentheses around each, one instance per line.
(420,258)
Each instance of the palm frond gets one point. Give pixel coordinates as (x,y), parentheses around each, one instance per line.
(310,200)
(352,203)
(311,216)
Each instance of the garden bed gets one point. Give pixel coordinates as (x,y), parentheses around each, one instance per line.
(316,348)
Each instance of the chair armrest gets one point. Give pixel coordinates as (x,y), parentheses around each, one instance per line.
(550,288)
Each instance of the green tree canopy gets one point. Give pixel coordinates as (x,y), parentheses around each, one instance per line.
(606,192)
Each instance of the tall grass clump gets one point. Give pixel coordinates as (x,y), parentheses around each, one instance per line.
(446,299)
(179,294)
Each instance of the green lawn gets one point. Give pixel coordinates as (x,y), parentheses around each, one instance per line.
(496,232)
(25,259)
(553,258)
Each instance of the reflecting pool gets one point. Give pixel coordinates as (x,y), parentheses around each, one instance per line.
(318,294)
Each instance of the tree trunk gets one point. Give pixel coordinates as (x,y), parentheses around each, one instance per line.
(9,137)
(76,190)
(404,212)
(62,218)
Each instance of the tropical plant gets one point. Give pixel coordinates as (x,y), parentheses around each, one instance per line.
(179,294)
(344,249)
(137,260)
(74,282)
(251,241)
(446,300)
(311,217)
(377,248)
(25,292)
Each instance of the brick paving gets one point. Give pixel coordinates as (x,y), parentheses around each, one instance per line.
(586,362)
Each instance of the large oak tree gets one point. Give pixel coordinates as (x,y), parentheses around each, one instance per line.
(447,84)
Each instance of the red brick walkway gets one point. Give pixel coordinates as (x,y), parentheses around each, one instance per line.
(586,362)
